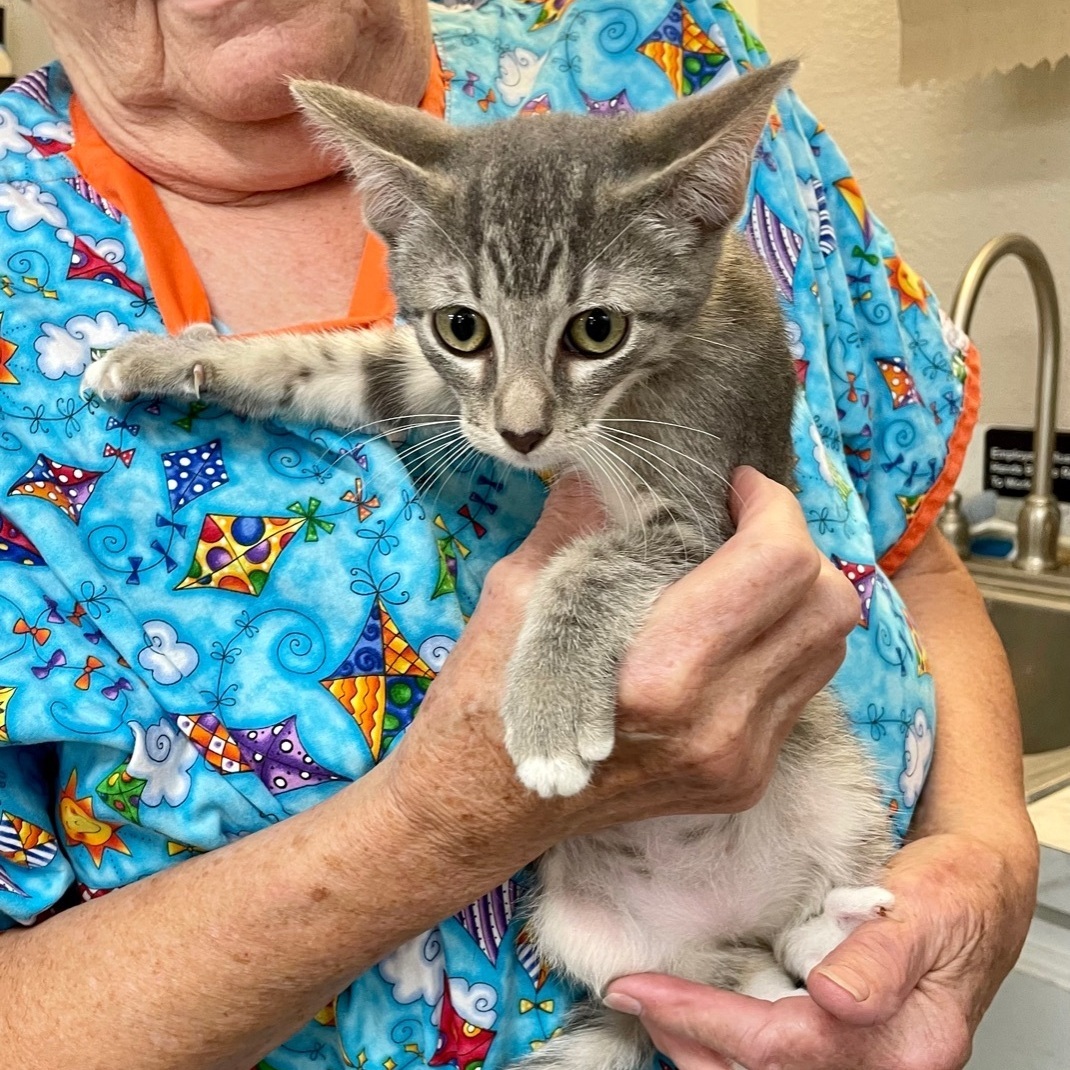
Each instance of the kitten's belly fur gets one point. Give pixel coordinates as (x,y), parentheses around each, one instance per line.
(674,894)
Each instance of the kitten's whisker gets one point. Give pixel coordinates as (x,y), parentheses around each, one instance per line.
(685,498)
(375,438)
(434,222)
(427,461)
(437,461)
(613,479)
(660,423)
(675,487)
(716,344)
(609,244)
(687,457)
(453,461)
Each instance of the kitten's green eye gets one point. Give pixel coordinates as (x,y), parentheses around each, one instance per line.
(596,332)
(461,329)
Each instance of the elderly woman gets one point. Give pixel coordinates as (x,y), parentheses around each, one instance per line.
(224,836)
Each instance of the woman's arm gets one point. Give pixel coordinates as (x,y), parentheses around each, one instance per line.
(270,927)
(965,887)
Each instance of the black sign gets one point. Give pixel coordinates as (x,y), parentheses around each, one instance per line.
(1009,462)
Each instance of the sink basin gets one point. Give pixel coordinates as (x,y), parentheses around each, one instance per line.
(1032,616)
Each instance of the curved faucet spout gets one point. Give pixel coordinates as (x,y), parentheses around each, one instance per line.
(1038,521)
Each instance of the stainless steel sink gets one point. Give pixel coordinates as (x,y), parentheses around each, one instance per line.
(1032,615)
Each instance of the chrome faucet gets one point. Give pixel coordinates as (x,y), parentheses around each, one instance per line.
(1038,520)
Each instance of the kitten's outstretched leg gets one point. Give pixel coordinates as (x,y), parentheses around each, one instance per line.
(802,947)
(339,377)
(595,1038)
(587,607)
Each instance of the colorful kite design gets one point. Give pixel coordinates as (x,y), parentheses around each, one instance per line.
(529,958)
(539,105)
(689,58)
(6,695)
(750,42)
(487,919)
(237,553)
(776,243)
(193,472)
(16,547)
(87,263)
(863,578)
(8,885)
(122,792)
(66,487)
(25,843)
(213,739)
(365,505)
(551,11)
(278,757)
(86,192)
(83,827)
(449,549)
(459,1041)
(7,351)
(919,648)
(381,682)
(852,194)
(900,382)
(911,503)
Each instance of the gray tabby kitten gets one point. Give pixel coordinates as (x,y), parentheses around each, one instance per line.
(575,290)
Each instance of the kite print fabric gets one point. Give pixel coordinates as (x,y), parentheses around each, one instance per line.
(208,624)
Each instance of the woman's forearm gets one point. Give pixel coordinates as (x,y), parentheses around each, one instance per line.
(975,784)
(338,887)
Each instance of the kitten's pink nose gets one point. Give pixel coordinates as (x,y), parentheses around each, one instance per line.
(524,441)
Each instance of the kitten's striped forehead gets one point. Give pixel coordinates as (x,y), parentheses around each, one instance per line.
(532,227)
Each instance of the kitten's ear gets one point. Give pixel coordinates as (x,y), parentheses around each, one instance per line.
(703,147)
(391,150)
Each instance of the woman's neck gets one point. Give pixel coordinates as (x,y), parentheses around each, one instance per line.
(249,146)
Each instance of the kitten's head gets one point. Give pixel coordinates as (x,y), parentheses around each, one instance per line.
(550,263)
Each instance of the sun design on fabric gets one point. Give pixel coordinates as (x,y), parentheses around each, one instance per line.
(83,827)
(907,283)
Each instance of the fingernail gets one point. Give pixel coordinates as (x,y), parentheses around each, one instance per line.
(617,1001)
(852,983)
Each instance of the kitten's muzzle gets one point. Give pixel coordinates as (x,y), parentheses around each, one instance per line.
(524,441)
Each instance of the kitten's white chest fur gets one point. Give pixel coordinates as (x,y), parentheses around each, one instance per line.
(672,894)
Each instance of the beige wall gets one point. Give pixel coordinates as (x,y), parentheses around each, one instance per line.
(27,41)
(946,167)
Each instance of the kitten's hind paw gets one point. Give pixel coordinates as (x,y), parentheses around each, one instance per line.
(850,907)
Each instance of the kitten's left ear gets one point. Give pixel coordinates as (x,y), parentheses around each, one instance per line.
(703,149)
(392,150)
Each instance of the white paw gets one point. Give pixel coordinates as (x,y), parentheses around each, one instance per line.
(596,748)
(99,378)
(563,775)
(850,907)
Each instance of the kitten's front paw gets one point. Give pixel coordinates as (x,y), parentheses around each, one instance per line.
(556,744)
(155,364)
(565,774)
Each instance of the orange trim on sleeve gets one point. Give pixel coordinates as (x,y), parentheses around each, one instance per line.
(945,484)
(176,286)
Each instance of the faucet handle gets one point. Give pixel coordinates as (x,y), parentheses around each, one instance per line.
(955,527)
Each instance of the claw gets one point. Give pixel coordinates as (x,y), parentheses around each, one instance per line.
(198,380)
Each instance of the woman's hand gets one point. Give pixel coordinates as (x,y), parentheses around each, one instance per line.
(730,656)
(904,992)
